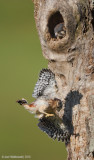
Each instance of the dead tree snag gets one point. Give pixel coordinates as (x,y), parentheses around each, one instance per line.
(71,58)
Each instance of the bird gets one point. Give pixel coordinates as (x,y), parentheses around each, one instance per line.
(46,104)
(41,107)
(60,31)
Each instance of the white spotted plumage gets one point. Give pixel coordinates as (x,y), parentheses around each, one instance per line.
(46,85)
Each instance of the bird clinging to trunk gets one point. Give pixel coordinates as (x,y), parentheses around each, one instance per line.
(47,105)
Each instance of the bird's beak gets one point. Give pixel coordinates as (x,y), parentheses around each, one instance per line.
(22,102)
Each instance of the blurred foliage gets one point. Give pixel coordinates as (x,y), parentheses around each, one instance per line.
(20,62)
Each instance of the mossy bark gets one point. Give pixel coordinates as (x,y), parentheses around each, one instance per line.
(72,61)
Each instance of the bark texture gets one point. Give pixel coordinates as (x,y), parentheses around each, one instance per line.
(72,61)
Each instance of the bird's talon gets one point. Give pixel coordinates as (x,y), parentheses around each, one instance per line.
(49,115)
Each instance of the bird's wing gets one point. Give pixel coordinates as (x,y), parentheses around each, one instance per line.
(44,78)
(49,126)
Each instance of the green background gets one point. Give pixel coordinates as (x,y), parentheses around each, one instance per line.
(20,62)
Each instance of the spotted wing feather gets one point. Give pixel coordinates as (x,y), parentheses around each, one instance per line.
(45,77)
(48,126)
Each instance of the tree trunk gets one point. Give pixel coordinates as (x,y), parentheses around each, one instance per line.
(71,59)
